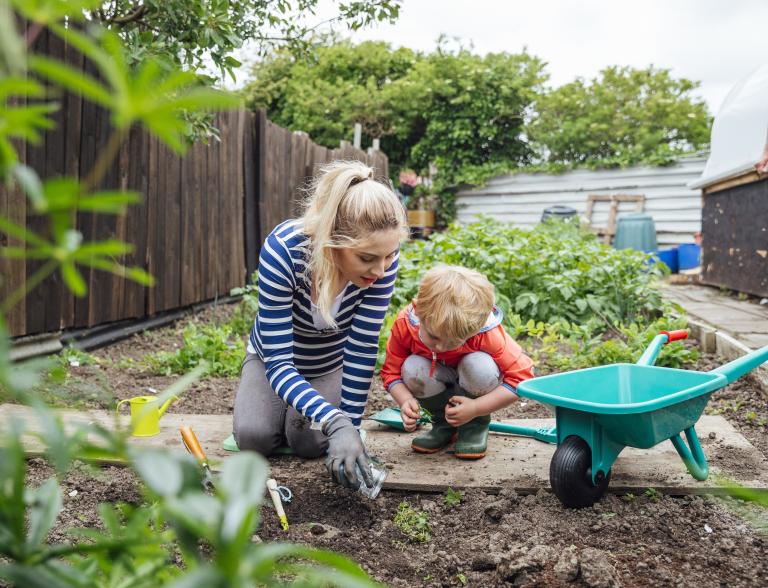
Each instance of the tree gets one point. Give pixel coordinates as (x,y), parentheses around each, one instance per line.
(189,32)
(452,108)
(622,117)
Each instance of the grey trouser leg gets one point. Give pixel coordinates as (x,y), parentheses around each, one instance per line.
(262,420)
(415,374)
(478,374)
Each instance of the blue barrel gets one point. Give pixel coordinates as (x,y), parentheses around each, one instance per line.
(635,231)
(669,258)
(688,256)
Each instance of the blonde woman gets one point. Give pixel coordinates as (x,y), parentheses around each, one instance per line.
(325,281)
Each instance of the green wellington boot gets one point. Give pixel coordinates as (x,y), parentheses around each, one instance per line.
(441,433)
(473,438)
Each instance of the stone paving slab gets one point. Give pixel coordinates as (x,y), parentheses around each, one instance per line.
(517,461)
(742,319)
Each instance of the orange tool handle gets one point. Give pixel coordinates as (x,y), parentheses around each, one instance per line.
(192,444)
(675,335)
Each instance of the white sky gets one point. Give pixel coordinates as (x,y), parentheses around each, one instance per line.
(716,42)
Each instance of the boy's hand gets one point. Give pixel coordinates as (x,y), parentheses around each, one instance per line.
(461,410)
(410,411)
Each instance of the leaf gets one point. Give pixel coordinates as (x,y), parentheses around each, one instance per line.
(72,79)
(45,504)
(162,473)
(73,279)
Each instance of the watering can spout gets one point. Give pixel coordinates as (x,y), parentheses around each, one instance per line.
(165,405)
(733,370)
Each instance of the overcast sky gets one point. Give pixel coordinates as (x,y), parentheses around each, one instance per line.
(716,42)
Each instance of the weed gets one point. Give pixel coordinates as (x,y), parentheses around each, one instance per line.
(461,578)
(629,497)
(452,497)
(412,523)
(652,494)
(751,415)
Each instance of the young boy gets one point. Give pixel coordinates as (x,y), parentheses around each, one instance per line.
(449,353)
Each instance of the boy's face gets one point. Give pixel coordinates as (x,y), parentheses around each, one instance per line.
(435,342)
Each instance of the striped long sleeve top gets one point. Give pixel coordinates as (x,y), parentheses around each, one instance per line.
(293,350)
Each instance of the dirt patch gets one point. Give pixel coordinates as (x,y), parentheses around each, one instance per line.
(486,540)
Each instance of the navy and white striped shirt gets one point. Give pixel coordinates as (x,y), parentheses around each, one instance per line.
(285,338)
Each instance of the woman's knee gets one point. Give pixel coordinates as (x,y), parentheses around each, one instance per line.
(251,436)
(415,374)
(302,438)
(478,374)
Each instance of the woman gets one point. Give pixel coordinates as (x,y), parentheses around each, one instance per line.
(325,281)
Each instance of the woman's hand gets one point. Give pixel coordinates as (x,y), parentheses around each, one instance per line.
(410,412)
(345,450)
(461,410)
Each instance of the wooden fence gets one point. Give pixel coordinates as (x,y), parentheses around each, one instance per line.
(198,228)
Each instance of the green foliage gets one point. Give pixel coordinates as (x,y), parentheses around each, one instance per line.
(182,536)
(576,302)
(217,345)
(452,498)
(242,319)
(555,272)
(412,523)
(459,111)
(623,117)
(652,494)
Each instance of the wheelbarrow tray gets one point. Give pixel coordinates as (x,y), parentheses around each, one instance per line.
(636,405)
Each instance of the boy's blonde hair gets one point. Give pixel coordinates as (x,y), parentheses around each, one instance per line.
(345,205)
(454,302)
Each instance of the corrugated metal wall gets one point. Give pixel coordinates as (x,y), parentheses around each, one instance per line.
(520,199)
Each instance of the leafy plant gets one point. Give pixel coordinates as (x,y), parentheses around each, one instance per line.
(218,346)
(412,523)
(452,498)
(242,319)
(652,494)
(182,536)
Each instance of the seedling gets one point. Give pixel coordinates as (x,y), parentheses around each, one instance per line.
(452,497)
(653,494)
(412,523)
(461,578)
(629,497)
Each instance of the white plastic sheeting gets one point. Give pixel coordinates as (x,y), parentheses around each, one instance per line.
(740,130)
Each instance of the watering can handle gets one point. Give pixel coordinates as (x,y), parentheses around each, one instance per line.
(675,335)
(117,408)
(192,444)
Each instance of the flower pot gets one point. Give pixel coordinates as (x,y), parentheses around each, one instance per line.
(421,218)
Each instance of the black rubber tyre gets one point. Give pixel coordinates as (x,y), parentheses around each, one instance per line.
(570,474)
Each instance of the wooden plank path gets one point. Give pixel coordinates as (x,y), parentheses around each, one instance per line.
(512,461)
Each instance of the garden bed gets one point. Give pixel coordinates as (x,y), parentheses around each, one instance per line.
(485,540)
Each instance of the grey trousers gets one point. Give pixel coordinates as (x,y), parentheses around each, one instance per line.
(263,422)
(475,375)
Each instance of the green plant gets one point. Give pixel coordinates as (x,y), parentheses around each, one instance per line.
(652,494)
(624,116)
(461,578)
(73,357)
(629,497)
(217,346)
(180,536)
(452,498)
(242,319)
(412,523)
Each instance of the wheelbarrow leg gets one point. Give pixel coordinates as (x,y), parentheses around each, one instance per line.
(693,458)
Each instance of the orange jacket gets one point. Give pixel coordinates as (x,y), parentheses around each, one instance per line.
(492,339)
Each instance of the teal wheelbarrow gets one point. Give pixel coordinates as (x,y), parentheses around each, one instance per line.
(600,411)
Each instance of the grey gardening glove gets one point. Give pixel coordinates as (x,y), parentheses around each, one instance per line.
(345,448)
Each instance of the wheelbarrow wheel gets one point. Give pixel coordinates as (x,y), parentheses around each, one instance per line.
(570,474)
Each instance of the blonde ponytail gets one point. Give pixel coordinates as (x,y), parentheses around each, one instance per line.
(345,205)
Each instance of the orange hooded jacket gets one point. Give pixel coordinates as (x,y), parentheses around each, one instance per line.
(492,339)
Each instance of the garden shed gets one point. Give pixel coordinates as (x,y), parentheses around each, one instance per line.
(521,198)
(735,194)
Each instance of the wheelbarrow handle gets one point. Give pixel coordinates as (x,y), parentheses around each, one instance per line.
(675,335)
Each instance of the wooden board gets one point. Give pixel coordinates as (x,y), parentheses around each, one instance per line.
(517,461)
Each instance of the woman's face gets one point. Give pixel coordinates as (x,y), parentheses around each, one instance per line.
(365,264)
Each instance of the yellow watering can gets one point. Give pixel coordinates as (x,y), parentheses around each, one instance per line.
(145,414)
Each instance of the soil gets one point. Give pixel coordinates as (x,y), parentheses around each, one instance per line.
(486,540)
